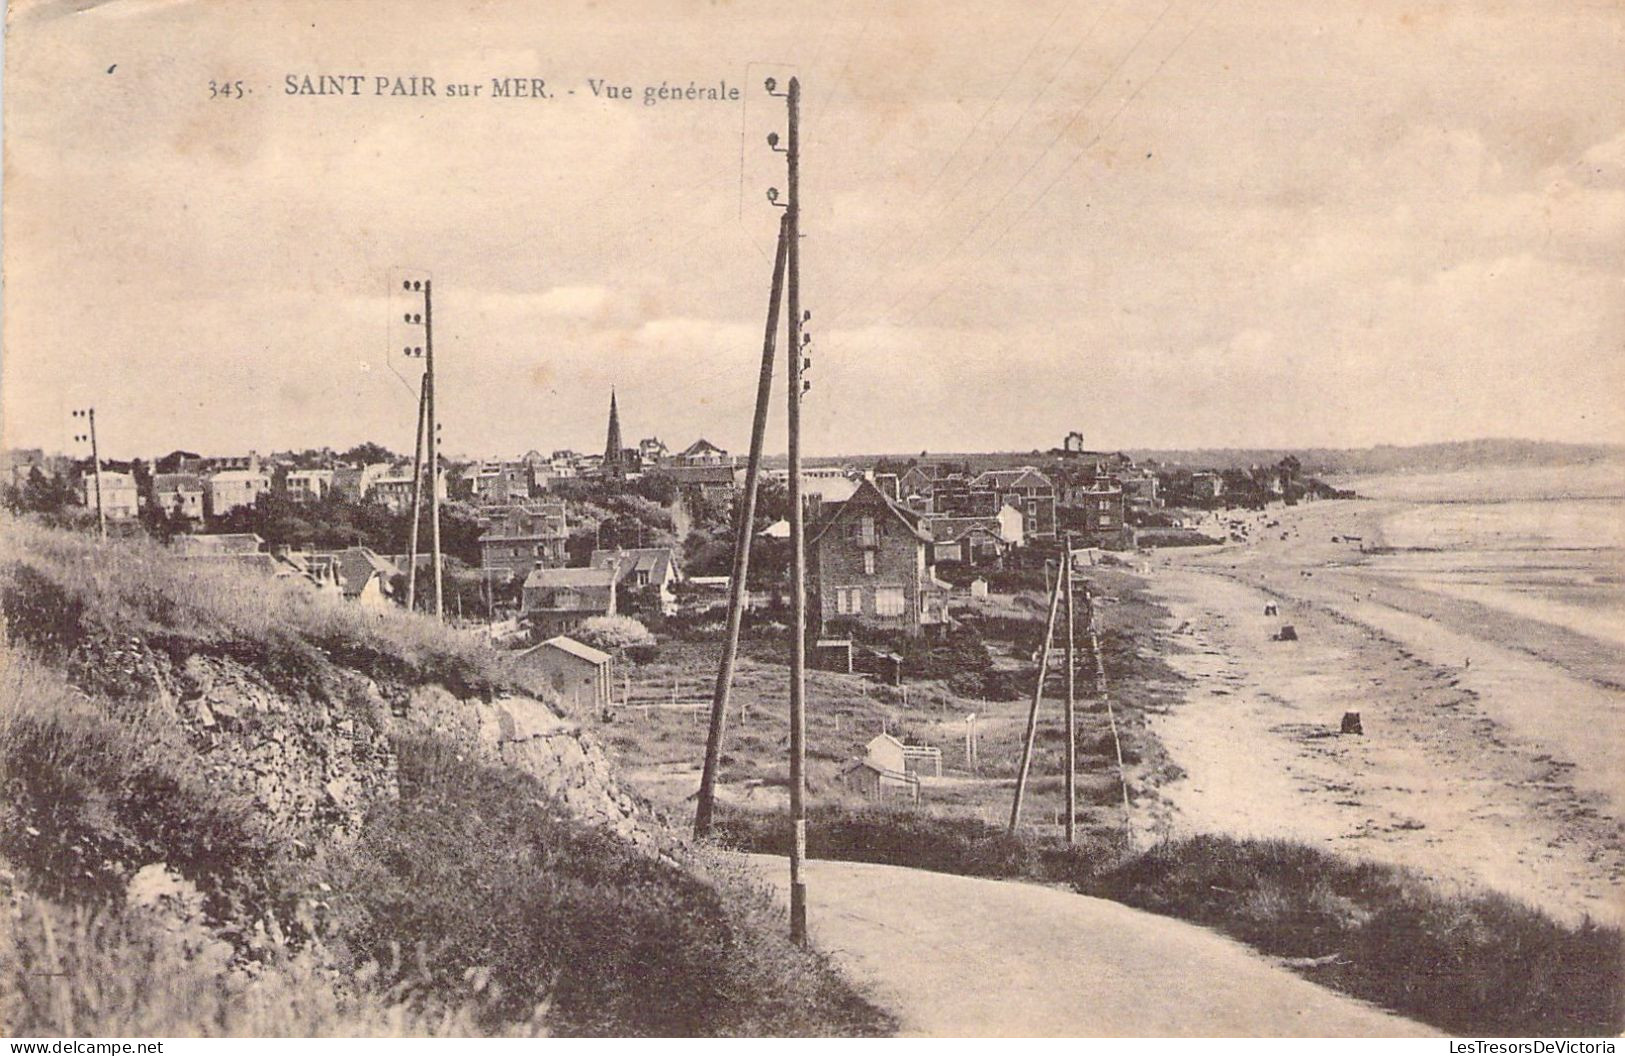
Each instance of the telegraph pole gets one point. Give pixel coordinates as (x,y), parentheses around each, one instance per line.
(417,497)
(1111,716)
(1071,705)
(434,451)
(743,530)
(798,549)
(425,319)
(89,413)
(1032,716)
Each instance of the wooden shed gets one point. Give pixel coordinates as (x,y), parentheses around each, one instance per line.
(581,675)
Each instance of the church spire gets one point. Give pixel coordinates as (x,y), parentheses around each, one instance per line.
(612,445)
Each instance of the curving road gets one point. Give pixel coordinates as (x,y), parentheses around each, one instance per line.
(955,956)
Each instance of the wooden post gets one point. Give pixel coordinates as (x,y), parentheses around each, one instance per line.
(1032,715)
(1071,709)
(417,498)
(798,548)
(738,598)
(433,446)
(1105,698)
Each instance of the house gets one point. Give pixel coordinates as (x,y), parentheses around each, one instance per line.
(1100,514)
(1140,488)
(521,538)
(308,485)
(638,570)
(241,549)
(870,563)
(354,483)
(713,483)
(178,462)
(1207,486)
(702,452)
(395,489)
(973,540)
(652,449)
(217,545)
(1028,490)
(120,499)
(499,482)
(363,576)
(582,676)
(179,494)
(232,489)
(558,600)
(882,771)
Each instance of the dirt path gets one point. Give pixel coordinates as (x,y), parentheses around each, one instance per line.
(957,956)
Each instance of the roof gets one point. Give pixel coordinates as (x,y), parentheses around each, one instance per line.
(357,565)
(910,519)
(176,481)
(569,577)
(953,529)
(222,543)
(579,650)
(701,446)
(699,474)
(549,518)
(653,560)
(1025,477)
(233,475)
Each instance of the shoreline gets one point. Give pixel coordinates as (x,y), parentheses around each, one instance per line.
(1484,761)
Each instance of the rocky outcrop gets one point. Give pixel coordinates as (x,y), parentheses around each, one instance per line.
(525,733)
(313,759)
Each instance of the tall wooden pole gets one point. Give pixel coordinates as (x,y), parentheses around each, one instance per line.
(1071,708)
(434,449)
(417,498)
(1111,716)
(744,525)
(1032,715)
(96,460)
(798,549)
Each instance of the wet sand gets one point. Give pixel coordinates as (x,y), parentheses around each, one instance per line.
(1491,734)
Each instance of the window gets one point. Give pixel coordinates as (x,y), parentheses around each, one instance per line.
(868,562)
(848,601)
(889,601)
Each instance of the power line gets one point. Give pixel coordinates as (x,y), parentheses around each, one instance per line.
(1010,189)
(1078,155)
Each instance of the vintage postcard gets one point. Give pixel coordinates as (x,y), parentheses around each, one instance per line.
(671,518)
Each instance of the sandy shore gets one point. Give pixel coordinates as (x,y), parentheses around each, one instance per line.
(1499,773)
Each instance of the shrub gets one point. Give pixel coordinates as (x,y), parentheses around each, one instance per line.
(613,633)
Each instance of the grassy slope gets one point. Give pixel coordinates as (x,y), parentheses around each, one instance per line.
(471,903)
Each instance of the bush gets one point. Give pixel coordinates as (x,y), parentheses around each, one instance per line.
(613,633)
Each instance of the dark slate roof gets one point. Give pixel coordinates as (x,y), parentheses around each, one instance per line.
(653,560)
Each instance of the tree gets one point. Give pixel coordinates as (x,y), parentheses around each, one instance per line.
(369,453)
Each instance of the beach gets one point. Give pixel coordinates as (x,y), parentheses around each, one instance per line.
(1473,620)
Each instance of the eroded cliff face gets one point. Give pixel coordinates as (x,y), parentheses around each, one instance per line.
(312,759)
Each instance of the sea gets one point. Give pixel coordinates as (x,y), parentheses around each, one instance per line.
(1540,543)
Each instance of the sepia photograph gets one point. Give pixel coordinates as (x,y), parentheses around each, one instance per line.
(693,518)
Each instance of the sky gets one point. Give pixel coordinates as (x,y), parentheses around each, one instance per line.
(1162,223)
